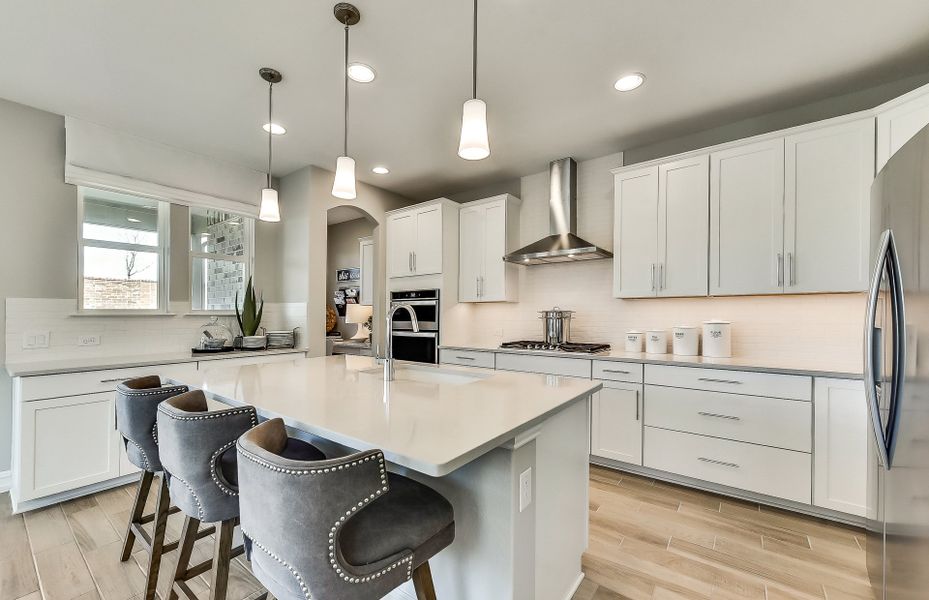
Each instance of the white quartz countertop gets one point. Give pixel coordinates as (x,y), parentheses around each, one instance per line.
(820,367)
(433,428)
(77,365)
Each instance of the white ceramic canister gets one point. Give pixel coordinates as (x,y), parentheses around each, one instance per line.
(656,341)
(685,340)
(635,341)
(717,338)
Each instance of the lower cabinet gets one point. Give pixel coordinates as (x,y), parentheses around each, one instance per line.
(616,422)
(841,446)
(72,444)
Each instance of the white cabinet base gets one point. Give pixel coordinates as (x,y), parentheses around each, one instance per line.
(841,446)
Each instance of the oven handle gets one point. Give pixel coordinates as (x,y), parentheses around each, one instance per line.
(431,334)
(415,302)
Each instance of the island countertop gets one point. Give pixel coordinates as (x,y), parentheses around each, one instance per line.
(429,426)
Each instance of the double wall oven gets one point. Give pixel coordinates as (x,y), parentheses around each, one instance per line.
(423,345)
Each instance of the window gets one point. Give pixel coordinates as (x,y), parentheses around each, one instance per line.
(220,258)
(121,258)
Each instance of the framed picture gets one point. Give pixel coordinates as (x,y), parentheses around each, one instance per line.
(352,274)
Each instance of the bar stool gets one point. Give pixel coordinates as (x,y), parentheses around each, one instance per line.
(136,409)
(340,529)
(198,453)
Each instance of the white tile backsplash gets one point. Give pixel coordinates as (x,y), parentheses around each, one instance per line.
(121,336)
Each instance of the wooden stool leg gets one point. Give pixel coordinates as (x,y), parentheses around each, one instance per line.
(422,582)
(185,549)
(222,556)
(158,538)
(138,508)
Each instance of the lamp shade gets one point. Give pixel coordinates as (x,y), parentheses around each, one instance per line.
(344,184)
(359,314)
(474,144)
(269,210)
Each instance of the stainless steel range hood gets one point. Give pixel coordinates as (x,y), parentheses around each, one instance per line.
(562,245)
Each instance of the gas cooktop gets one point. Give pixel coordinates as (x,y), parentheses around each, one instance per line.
(575,348)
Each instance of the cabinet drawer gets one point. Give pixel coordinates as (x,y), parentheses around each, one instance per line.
(754,419)
(240,361)
(549,365)
(771,471)
(467,358)
(794,387)
(612,370)
(91,382)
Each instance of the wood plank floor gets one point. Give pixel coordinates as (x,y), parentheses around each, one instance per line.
(648,541)
(655,541)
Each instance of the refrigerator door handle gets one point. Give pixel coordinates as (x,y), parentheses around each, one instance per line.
(870,383)
(898,371)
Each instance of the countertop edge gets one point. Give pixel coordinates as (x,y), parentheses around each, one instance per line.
(669,360)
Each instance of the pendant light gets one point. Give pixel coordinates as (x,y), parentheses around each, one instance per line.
(473,144)
(344,184)
(269,209)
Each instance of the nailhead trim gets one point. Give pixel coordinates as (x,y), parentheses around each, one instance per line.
(153,392)
(155,433)
(297,576)
(212,415)
(192,493)
(148,465)
(214,467)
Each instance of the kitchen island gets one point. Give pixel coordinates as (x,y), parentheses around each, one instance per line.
(473,435)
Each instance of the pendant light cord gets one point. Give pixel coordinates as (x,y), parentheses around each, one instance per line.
(270,129)
(474,56)
(345,136)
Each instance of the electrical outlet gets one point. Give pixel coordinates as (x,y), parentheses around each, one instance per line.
(525,489)
(36,339)
(89,340)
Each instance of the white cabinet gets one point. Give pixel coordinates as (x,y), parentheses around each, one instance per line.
(489,229)
(899,120)
(661,229)
(71,444)
(747,219)
(366,256)
(616,422)
(414,239)
(840,446)
(827,206)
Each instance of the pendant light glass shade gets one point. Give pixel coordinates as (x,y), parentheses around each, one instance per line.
(270,210)
(474,144)
(344,184)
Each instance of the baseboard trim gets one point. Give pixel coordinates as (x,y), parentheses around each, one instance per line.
(27,505)
(574,588)
(6,481)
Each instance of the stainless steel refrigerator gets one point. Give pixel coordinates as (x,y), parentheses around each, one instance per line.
(897,376)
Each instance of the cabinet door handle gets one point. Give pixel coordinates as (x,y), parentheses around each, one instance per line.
(409,261)
(414,261)
(465,358)
(713,380)
(480,280)
(620,371)
(717,462)
(637,405)
(653,277)
(791,276)
(477,287)
(660,276)
(780,269)
(719,416)
(113,380)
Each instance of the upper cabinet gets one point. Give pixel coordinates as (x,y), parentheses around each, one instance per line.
(415,239)
(488,229)
(660,229)
(747,219)
(899,120)
(366,255)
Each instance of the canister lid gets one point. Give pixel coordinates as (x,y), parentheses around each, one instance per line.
(717,322)
(635,331)
(685,327)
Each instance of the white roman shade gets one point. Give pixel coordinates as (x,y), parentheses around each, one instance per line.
(99,157)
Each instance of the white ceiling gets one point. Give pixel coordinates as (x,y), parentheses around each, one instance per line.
(185,73)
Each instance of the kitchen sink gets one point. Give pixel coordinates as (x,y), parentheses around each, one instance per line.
(427,374)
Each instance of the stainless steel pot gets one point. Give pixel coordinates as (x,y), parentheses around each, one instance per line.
(556,325)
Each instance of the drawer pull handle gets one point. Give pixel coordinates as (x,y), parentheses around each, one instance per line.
(465,358)
(719,416)
(113,380)
(717,462)
(620,371)
(713,380)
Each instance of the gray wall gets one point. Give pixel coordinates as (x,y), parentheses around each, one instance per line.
(510,186)
(38,244)
(343,252)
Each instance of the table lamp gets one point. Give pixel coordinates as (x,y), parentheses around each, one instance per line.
(358,314)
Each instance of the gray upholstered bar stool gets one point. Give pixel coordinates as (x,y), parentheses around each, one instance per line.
(198,452)
(339,529)
(136,410)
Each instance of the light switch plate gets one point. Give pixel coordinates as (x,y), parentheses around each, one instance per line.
(90,339)
(525,489)
(33,340)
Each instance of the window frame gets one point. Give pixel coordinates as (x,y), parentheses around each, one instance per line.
(163,250)
(248,259)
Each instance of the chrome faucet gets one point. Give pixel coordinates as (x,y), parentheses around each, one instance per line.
(389,354)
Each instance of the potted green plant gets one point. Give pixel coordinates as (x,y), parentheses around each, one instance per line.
(249,317)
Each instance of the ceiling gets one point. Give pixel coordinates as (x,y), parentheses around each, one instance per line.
(186,73)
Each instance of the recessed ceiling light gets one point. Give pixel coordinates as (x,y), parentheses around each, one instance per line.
(132,220)
(629,82)
(274,128)
(361,73)
(381,170)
